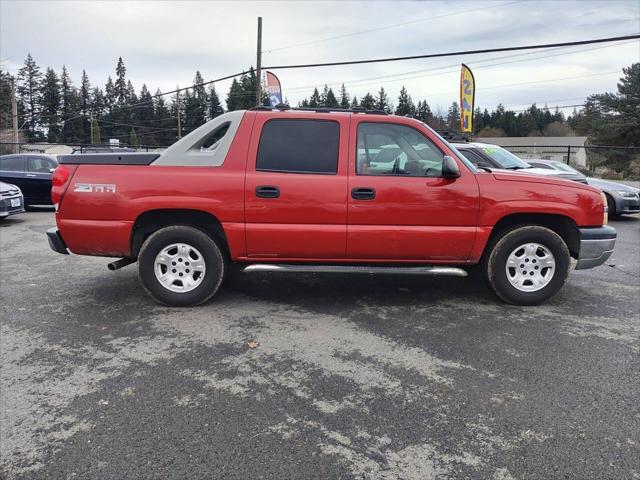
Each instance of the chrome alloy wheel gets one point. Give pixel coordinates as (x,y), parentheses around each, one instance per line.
(179,267)
(530,267)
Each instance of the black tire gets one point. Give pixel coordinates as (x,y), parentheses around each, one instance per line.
(496,264)
(611,206)
(211,255)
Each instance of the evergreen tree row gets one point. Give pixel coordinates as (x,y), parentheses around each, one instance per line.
(51,108)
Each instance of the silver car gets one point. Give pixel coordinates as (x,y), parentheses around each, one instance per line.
(621,199)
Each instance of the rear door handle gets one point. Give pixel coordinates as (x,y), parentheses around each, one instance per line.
(363,193)
(30,175)
(267,191)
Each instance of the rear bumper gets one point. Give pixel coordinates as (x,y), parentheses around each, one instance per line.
(55,241)
(596,246)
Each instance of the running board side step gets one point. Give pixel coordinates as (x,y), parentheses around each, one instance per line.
(289,268)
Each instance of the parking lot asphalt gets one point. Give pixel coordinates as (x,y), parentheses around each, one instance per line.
(353,376)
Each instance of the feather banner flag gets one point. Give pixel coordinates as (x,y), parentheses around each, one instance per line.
(274,89)
(467,98)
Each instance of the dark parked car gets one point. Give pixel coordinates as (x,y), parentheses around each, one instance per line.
(485,155)
(32,173)
(621,198)
(11,201)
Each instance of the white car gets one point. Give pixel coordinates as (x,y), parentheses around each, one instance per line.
(11,200)
(485,155)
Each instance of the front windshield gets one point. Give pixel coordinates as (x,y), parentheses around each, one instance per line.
(504,158)
(565,168)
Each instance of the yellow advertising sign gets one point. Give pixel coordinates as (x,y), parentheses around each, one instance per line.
(467,98)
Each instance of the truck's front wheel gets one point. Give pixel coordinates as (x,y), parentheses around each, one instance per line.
(181,266)
(528,265)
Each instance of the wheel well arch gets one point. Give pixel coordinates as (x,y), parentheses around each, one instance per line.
(614,203)
(153,220)
(563,225)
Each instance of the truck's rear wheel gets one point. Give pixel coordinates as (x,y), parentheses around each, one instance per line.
(181,266)
(528,265)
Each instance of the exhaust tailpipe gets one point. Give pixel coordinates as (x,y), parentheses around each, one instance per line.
(123,262)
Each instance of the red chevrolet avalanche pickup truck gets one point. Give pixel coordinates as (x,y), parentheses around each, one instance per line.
(298,190)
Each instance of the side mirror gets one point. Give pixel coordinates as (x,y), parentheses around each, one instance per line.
(450,167)
(51,170)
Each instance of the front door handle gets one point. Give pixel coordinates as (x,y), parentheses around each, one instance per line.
(31,175)
(363,193)
(267,191)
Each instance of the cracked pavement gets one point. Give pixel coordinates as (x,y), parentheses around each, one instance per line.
(354,376)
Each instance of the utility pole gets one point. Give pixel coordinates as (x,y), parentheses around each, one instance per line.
(178,114)
(15,138)
(259,64)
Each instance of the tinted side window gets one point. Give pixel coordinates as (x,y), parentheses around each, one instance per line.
(388,149)
(40,165)
(473,157)
(299,146)
(12,164)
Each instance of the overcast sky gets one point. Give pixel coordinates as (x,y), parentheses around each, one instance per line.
(163,43)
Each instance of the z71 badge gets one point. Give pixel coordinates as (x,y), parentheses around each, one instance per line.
(95,187)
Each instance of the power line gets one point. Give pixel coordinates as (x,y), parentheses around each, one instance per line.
(518,84)
(402,76)
(107,122)
(456,53)
(377,29)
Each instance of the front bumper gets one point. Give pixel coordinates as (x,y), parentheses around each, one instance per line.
(7,209)
(629,205)
(56,242)
(596,246)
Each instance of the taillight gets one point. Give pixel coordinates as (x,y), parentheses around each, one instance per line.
(60,181)
(605,216)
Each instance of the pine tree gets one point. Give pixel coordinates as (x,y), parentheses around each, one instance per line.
(453,117)
(215,107)
(423,112)
(405,104)
(131,94)
(234,96)
(315,101)
(29,97)
(6,115)
(120,86)
(109,95)
(163,121)
(200,101)
(145,117)
(173,111)
(368,102)
(344,97)
(382,101)
(354,102)
(51,105)
(69,109)
(85,104)
(97,106)
(331,101)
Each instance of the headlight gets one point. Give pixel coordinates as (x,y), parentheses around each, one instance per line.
(627,194)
